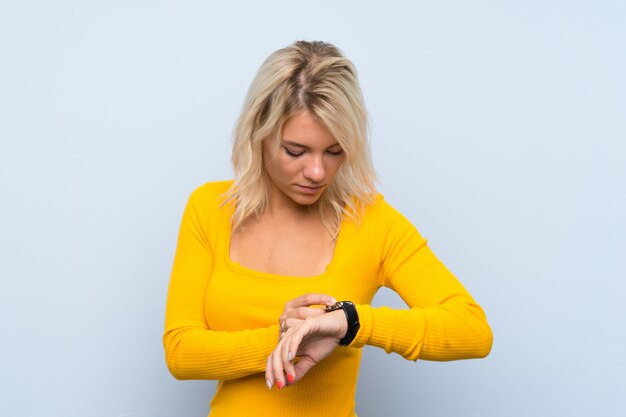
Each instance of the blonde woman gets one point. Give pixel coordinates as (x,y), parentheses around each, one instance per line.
(275,270)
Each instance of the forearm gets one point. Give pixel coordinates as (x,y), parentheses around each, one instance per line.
(453,330)
(443,322)
(196,353)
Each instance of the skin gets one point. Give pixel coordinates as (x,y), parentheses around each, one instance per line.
(309,334)
(303,166)
(290,239)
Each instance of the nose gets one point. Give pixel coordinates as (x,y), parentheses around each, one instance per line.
(314,170)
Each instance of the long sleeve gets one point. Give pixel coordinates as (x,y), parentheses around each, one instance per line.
(192,349)
(221,317)
(443,321)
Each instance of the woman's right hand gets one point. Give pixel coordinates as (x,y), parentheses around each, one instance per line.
(298,309)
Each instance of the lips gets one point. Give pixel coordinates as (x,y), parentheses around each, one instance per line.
(309,189)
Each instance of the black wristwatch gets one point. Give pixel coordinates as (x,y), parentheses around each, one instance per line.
(353,320)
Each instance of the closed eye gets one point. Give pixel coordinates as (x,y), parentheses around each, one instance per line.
(292,154)
(335,153)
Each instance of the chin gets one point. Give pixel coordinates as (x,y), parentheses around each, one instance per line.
(306,200)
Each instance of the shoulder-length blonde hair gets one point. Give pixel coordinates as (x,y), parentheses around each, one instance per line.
(313,77)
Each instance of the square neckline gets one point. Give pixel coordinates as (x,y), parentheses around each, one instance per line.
(237,267)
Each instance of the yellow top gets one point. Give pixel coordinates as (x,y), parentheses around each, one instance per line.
(222,318)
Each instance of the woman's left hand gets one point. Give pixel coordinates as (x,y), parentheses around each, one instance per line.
(312,340)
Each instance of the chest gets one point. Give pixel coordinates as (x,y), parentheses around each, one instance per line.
(245,291)
(302,250)
(238,297)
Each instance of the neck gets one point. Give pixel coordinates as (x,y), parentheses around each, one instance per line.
(286,212)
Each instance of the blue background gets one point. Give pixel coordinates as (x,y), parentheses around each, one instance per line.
(497,129)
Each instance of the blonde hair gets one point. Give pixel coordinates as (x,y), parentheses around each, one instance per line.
(313,77)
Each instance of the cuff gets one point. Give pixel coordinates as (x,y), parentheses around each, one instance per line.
(393,330)
(366,320)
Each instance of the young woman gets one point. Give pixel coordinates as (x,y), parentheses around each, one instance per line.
(275,270)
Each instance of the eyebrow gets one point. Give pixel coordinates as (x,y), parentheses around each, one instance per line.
(299,145)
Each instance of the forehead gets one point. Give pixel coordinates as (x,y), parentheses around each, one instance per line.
(305,129)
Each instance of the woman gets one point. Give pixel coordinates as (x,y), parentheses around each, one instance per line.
(262,260)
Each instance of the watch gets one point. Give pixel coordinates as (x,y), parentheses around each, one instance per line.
(353,320)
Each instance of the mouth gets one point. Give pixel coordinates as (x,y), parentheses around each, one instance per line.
(307,189)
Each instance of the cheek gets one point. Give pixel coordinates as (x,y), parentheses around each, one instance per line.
(286,166)
(274,170)
(336,164)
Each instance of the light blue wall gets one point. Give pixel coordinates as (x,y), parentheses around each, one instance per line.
(497,128)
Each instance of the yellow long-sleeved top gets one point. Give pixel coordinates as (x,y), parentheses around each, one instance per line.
(222,318)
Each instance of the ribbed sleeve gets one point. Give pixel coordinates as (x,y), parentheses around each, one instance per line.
(192,349)
(221,317)
(443,321)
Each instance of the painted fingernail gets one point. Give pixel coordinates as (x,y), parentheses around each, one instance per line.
(289,356)
(268,383)
(290,378)
(279,384)
(331,300)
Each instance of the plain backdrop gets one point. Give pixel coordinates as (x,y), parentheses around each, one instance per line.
(497,129)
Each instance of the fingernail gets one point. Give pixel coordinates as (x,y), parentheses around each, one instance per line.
(289,356)
(290,378)
(268,383)
(331,300)
(279,384)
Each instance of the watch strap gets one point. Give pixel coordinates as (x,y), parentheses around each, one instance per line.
(352,318)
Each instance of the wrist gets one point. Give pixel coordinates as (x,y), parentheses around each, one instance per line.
(352,320)
(342,328)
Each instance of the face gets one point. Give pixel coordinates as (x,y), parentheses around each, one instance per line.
(305,163)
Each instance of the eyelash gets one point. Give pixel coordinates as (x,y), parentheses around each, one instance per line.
(295,155)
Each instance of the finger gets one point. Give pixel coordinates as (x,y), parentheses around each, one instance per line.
(287,358)
(304,312)
(293,343)
(301,313)
(282,328)
(277,366)
(302,367)
(310,299)
(290,323)
(269,378)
